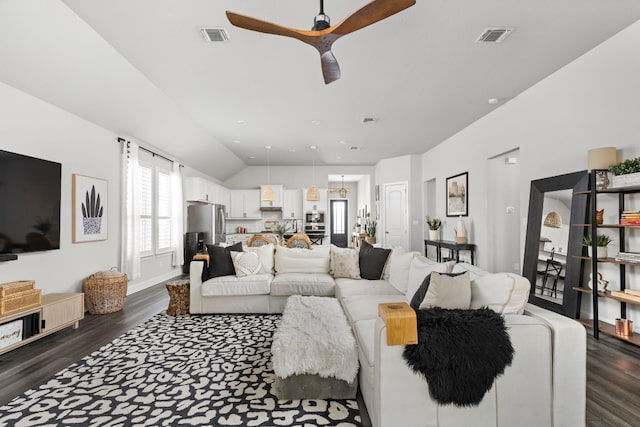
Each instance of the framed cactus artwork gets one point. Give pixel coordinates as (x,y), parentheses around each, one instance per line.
(89,209)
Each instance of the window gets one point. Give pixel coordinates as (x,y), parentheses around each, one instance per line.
(155,209)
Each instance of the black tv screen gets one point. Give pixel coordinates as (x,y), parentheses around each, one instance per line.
(29,203)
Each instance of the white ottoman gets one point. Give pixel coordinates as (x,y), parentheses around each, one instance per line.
(314,352)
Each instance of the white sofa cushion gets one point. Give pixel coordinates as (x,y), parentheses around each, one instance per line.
(319,284)
(353,287)
(448,292)
(474,271)
(363,307)
(297,260)
(504,293)
(258,284)
(420,268)
(265,253)
(398,268)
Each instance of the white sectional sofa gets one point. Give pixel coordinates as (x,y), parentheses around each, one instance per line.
(544,386)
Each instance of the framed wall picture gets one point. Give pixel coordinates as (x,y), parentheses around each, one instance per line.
(458,195)
(89,208)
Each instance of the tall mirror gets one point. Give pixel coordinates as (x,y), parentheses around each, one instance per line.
(552,242)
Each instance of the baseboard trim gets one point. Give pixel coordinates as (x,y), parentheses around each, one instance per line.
(139,286)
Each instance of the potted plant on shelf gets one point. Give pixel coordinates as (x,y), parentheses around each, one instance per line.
(626,173)
(602,241)
(434,228)
(371,230)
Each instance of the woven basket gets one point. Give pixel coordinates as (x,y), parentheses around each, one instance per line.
(105,291)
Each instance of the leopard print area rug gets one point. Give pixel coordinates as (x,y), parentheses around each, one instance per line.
(210,370)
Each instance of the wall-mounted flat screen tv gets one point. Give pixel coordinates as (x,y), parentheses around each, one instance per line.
(29,204)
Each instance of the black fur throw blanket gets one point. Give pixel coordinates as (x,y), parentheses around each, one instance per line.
(460,353)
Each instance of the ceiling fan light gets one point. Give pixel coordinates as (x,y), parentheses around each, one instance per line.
(267,195)
(313,194)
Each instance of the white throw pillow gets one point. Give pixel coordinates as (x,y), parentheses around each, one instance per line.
(420,268)
(246,263)
(504,293)
(448,292)
(345,264)
(398,268)
(265,253)
(297,260)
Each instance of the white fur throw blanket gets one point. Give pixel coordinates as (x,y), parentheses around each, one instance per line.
(314,337)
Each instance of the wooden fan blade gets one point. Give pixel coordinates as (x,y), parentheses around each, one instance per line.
(330,67)
(254,24)
(371,13)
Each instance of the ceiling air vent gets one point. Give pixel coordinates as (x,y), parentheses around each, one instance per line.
(494,35)
(215,34)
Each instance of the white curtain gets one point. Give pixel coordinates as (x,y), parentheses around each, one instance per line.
(177,214)
(130,254)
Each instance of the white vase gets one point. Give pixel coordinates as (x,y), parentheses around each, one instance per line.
(601,252)
(434,234)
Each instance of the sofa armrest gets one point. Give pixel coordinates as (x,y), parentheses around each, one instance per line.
(569,356)
(195,286)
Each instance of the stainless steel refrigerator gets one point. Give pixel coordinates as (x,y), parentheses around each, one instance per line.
(209,220)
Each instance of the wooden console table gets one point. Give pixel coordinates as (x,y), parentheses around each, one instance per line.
(454,249)
(58,311)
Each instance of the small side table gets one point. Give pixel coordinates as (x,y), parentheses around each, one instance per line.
(178,297)
(452,246)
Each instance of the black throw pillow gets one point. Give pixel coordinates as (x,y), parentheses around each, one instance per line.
(372,261)
(418,297)
(221,263)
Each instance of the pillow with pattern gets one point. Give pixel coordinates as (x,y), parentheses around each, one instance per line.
(344,264)
(246,263)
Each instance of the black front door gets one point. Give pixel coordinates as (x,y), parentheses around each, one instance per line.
(339,226)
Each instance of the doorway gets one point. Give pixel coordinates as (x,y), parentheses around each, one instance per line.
(396,215)
(339,226)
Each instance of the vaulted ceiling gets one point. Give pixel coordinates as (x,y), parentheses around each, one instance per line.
(142,69)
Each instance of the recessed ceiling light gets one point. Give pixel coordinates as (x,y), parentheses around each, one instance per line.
(315,122)
(313,147)
(342,142)
(268,147)
(242,122)
(252,157)
(493,101)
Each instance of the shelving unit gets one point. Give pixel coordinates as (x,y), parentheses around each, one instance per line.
(57,311)
(593,227)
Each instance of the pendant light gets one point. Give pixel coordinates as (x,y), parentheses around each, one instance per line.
(313,194)
(343,191)
(267,195)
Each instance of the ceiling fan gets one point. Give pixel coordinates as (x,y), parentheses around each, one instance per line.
(322,34)
(342,192)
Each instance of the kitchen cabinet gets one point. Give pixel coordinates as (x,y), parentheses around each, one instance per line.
(320,205)
(198,189)
(277,198)
(292,204)
(245,204)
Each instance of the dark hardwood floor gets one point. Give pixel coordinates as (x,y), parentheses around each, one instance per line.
(613,367)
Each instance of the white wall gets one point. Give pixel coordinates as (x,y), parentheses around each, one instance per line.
(592,102)
(35,128)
